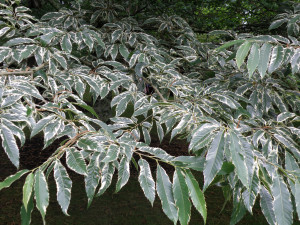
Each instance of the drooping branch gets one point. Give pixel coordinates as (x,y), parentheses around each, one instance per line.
(155,88)
(20,72)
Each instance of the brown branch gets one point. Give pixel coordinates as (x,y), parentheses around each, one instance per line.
(20,72)
(156,90)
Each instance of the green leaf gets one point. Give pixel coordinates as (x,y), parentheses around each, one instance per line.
(93,177)
(66,44)
(181,197)
(146,180)
(276,58)
(98,38)
(79,87)
(51,130)
(297,197)
(48,37)
(196,194)
(29,89)
(51,15)
(160,131)
(69,22)
(229,44)
(9,180)
(164,191)
(114,51)
(4,53)
(27,51)
(93,84)
(41,193)
(284,116)
(157,152)
(288,144)
(123,173)
(266,205)
(61,60)
(283,207)
(3,31)
(277,23)
(106,177)
(227,100)
(10,100)
(112,154)
(184,121)
(264,58)
(242,52)
(75,161)
(122,105)
(88,40)
(39,56)
(116,35)
(27,190)
(9,145)
(139,68)
(41,124)
(88,108)
(26,213)
(17,131)
(201,133)
(238,158)
(52,66)
(63,186)
(238,211)
(123,51)
(18,41)
(214,159)
(146,135)
(191,162)
(253,59)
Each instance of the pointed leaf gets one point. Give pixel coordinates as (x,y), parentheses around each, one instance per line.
(41,124)
(264,58)
(253,59)
(266,204)
(238,158)
(284,116)
(106,177)
(9,180)
(63,186)
(182,124)
(283,207)
(297,197)
(123,173)
(242,52)
(26,213)
(276,58)
(196,194)
(27,189)
(9,145)
(41,193)
(181,197)
(75,161)
(146,180)
(93,177)
(214,159)
(66,44)
(164,191)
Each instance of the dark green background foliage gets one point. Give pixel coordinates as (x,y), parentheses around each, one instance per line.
(98,81)
(203,16)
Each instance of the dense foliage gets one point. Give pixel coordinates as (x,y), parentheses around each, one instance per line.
(236,103)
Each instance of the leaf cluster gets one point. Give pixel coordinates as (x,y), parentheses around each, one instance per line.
(236,103)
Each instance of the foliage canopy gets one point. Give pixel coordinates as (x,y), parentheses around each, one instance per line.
(236,103)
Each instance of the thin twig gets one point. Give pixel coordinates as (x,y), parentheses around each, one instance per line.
(156,90)
(20,72)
